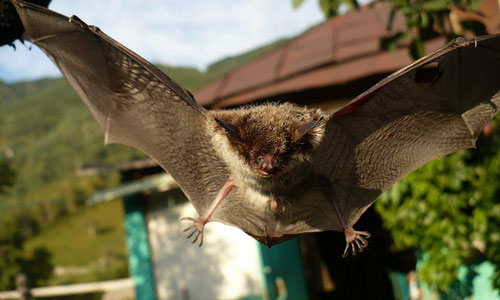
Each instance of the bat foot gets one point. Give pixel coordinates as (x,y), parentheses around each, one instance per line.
(196,228)
(356,240)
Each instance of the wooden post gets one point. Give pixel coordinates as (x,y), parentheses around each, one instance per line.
(23,287)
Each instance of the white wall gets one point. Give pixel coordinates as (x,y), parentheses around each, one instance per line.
(227,266)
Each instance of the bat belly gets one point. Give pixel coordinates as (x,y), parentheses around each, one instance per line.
(302,208)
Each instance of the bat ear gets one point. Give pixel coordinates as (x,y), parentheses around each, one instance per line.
(230,128)
(428,74)
(305,128)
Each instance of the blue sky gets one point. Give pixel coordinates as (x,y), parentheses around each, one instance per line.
(180,33)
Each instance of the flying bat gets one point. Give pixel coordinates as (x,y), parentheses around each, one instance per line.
(278,170)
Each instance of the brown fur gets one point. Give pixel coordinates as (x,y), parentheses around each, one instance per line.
(271,130)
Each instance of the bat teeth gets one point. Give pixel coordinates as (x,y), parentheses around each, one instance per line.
(267,166)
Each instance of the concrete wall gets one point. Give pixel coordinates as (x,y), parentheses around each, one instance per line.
(227,266)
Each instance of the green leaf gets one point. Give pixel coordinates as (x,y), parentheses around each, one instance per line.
(434,6)
(417,48)
(297,3)
(330,8)
(352,4)
(424,19)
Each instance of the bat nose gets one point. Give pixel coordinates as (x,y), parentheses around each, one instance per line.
(266,164)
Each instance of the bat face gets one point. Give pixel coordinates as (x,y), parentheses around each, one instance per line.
(268,149)
(272,139)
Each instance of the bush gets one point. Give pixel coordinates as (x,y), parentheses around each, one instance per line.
(449,209)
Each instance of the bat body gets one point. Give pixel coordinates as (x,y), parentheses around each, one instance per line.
(276,171)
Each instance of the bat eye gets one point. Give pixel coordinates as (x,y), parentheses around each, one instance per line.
(428,75)
(304,129)
(230,128)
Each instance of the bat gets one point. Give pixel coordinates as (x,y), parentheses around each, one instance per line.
(278,170)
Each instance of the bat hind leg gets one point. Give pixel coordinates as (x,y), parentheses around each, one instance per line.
(199,223)
(356,240)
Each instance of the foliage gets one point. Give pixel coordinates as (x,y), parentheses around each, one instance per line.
(10,254)
(18,90)
(331,8)
(13,260)
(431,18)
(190,78)
(425,19)
(7,175)
(49,132)
(449,209)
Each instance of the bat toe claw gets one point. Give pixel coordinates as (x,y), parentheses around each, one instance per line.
(197,227)
(356,240)
(191,233)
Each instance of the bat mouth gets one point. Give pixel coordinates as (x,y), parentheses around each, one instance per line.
(266,165)
(265,173)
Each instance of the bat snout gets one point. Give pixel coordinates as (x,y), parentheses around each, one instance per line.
(266,164)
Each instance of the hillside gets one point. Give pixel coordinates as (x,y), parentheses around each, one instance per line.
(50,132)
(88,245)
(228,64)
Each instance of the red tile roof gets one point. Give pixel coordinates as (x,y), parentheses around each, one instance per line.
(340,50)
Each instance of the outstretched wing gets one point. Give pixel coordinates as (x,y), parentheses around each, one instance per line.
(132,100)
(433,107)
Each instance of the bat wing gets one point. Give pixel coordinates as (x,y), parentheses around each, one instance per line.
(132,100)
(138,105)
(435,106)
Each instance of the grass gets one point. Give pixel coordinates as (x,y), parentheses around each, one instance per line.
(93,237)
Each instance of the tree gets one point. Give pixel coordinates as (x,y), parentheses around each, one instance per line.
(13,259)
(425,19)
(7,175)
(13,232)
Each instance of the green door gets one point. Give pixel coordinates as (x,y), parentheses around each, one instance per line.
(283,272)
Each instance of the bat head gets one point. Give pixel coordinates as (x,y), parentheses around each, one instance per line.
(273,138)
